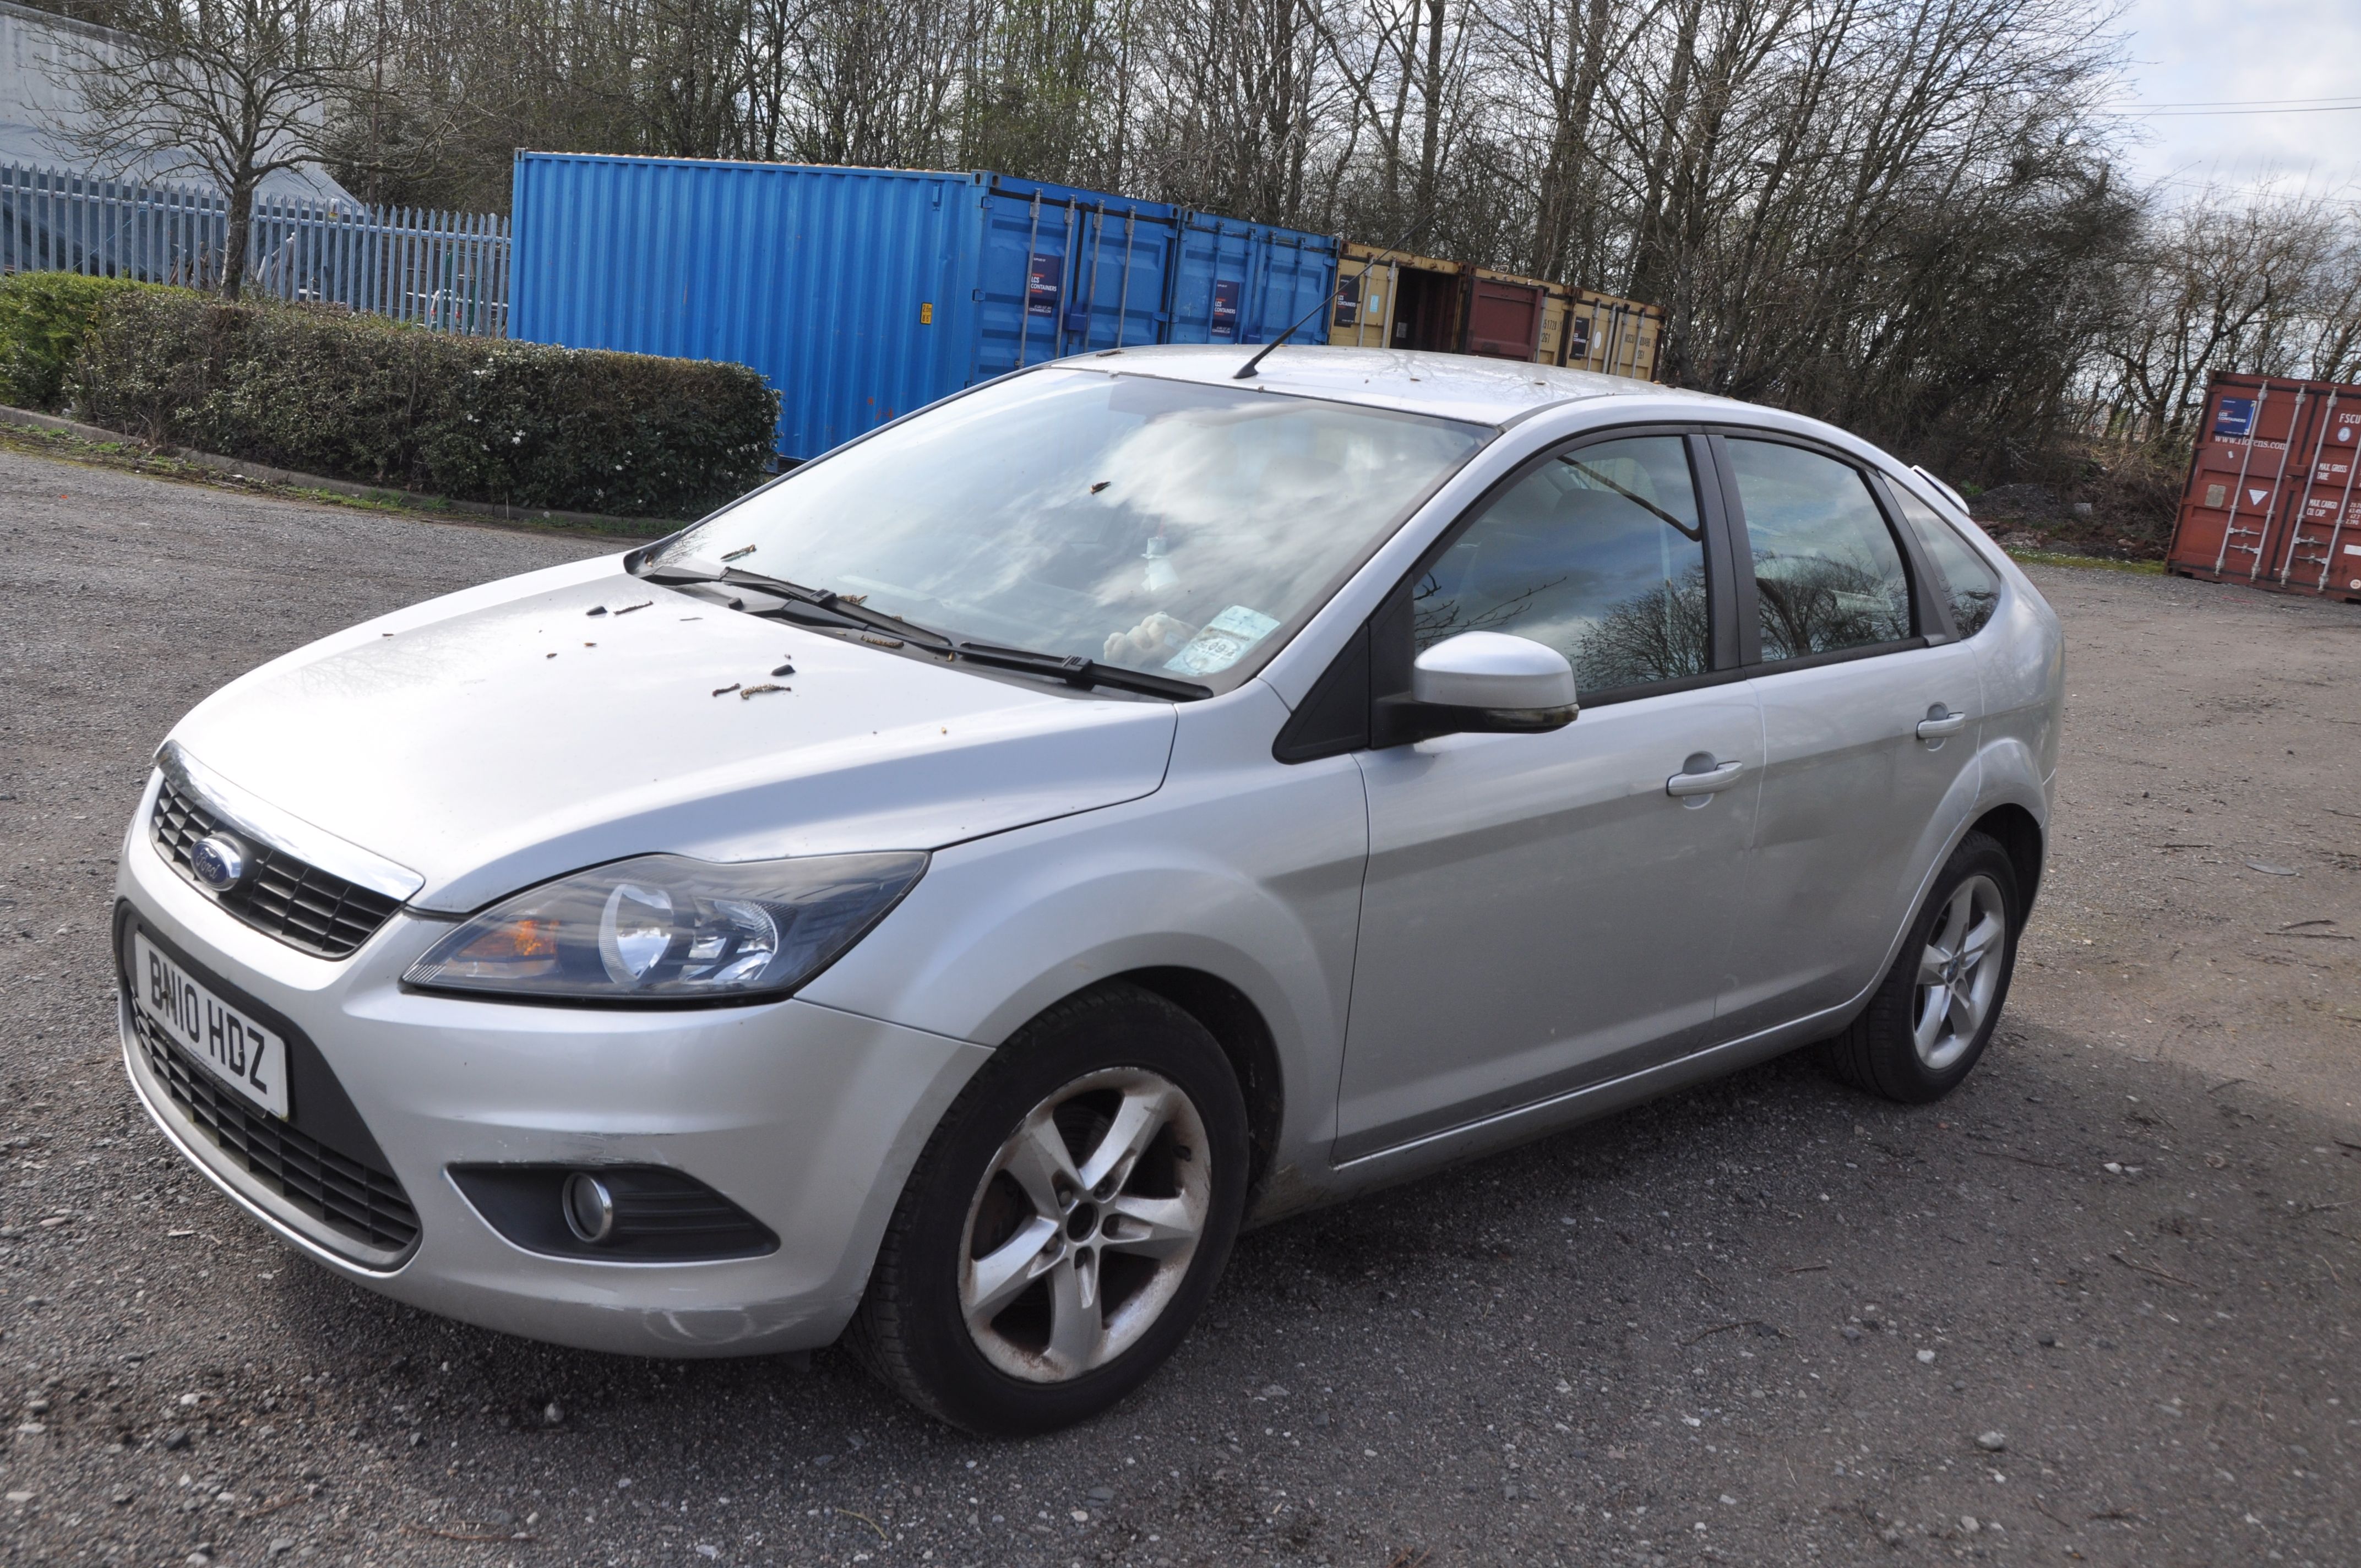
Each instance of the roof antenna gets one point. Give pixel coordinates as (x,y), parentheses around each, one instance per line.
(1245,372)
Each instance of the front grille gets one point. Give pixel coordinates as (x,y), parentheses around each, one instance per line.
(292,900)
(334,1189)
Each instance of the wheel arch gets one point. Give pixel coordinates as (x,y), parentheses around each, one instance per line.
(2016,831)
(1237,1026)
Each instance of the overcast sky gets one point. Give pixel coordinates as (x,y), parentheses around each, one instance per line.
(2214,51)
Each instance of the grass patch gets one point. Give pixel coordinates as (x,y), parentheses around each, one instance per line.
(2102,563)
(132,458)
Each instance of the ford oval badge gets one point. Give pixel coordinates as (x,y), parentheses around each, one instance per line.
(219,861)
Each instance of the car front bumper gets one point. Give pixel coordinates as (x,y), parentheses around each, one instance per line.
(807,1117)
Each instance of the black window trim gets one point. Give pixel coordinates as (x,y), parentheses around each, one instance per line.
(1930,613)
(1930,597)
(1942,582)
(1336,717)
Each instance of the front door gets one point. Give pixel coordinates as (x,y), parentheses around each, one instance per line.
(1870,716)
(1546,910)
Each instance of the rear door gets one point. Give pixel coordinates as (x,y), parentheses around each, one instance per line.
(1870,712)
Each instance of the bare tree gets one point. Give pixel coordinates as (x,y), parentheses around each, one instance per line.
(229,91)
(1903,214)
(2227,280)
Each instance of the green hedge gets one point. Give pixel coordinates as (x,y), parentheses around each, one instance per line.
(44,317)
(324,391)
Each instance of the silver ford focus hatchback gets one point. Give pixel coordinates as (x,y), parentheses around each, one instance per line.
(936,900)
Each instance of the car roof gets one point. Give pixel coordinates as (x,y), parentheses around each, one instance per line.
(1486,392)
(1453,385)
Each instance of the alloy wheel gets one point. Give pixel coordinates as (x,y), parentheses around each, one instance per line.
(1960,972)
(1083,1226)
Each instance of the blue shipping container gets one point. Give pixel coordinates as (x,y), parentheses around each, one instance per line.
(1242,282)
(862,293)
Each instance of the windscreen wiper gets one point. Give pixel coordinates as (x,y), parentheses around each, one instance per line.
(841,608)
(1077,671)
(1074,670)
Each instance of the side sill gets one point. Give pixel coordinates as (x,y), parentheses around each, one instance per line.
(1506,1129)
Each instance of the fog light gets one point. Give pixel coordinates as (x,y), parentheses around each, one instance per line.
(613,1213)
(589,1207)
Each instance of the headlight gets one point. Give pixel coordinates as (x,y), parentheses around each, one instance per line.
(666,928)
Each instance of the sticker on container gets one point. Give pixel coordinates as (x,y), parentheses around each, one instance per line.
(1044,281)
(1348,302)
(1225,309)
(2255,498)
(2235,417)
(2216,494)
(1222,641)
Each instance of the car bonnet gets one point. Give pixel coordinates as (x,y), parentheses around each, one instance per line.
(493,739)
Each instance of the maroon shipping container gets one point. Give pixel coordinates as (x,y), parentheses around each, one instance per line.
(1504,319)
(2270,498)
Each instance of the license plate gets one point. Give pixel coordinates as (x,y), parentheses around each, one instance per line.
(231,1046)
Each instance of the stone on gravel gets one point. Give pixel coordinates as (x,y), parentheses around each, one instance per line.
(1992,1441)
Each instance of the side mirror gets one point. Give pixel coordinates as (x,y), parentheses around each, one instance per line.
(1480,683)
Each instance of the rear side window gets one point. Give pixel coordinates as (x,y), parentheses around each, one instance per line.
(1828,573)
(1973,587)
(1597,554)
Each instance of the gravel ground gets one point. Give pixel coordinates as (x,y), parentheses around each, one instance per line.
(2091,1309)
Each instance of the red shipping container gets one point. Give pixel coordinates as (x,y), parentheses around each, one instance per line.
(2270,499)
(1504,320)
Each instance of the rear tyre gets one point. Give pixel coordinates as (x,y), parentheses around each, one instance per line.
(1936,1008)
(1066,1223)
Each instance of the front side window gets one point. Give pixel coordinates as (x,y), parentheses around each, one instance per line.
(1827,574)
(1163,526)
(1598,553)
(1974,589)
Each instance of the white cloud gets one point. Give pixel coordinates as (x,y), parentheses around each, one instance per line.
(2186,51)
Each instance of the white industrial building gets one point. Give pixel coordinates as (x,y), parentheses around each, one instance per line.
(40,110)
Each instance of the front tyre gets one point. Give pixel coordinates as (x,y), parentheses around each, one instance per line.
(1934,1013)
(1066,1222)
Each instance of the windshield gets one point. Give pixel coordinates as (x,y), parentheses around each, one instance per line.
(1160,526)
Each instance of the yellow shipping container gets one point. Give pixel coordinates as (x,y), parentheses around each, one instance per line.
(1389,300)
(1601,332)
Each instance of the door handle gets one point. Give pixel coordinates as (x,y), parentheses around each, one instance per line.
(1940,721)
(1705,782)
